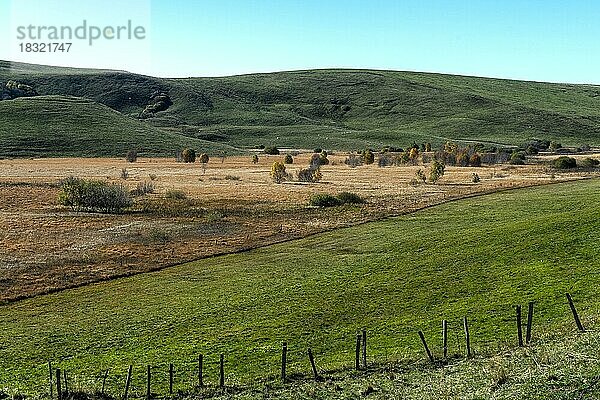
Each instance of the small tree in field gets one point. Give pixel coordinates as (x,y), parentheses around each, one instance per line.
(189,155)
(436,171)
(203,158)
(288,159)
(368,157)
(278,173)
(255,159)
(131,156)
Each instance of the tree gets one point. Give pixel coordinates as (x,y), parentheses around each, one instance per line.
(368,157)
(189,155)
(272,150)
(475,160)
(436,171)
(131,156)
(255,159)
(288,159)
(278,173)
(204,158)
(427,146)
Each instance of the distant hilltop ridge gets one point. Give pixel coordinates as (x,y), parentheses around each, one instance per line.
(331,109)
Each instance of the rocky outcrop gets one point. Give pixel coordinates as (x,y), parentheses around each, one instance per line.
(14,89)
(159,101)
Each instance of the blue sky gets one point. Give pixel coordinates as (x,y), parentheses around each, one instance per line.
(534,40)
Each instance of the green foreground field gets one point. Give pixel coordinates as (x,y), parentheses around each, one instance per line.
(476,257)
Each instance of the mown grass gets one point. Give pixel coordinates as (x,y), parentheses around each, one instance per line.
(477,257)
(335,109)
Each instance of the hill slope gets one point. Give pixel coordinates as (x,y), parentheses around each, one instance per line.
(477,257)
(339,109)
(71,126)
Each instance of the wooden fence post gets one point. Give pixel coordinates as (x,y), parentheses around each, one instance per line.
(200,372)
(311,358)
(575,315)
(364,348)
(149,378)
(283,361)
(104,381)
(467,336)
(529,322)
(222,371)
(445,337)
(357,360)
(51,383)
(519,326)
(426,347)
(171,372)
(58,388)
(128,382)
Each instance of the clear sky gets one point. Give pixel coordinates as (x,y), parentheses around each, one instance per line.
(544,40)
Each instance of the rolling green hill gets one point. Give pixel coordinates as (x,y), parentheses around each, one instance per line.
(476,257)
(337,109)
(56,126)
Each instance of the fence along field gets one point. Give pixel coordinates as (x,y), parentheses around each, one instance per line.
(477,257)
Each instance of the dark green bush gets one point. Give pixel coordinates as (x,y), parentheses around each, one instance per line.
(350,198)
(271,150)
(94,196)
(288,159)
(131,156)
(324,200)
(588,163)
(189,155)
(310,174)
(564,162)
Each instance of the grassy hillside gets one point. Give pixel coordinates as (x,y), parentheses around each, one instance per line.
(477,257)
(339,109)
(70,126)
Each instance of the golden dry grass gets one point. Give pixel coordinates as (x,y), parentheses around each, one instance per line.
(47,247)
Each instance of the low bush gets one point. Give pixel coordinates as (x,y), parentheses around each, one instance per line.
(324,200)
(353,161)
(288,159)
(278,172)
(564,162)
(188,155)
(350,198)
(271,150)
(143,188)
(588,163)
(310,175)
(94,196)
(174,194)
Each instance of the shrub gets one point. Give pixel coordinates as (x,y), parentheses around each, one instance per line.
(188,155)
(203,158)
(475,160)
(131,156)
(278,173)
(232,178)
(324,200)
(350,198)
(353,161)
(588,163)
(152,177)
(554,146)
(531,150)
(288,159)
(564,162)
(310,175)
(91,195)
(420,176)
(316,160)
(318,150)
(475,178)
(428,147)
(255,159)
(124,173)
(271,150)
(436,171)
(143,188)
(368,157)
(174,194)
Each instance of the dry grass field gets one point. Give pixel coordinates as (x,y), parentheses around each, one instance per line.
(231,206)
